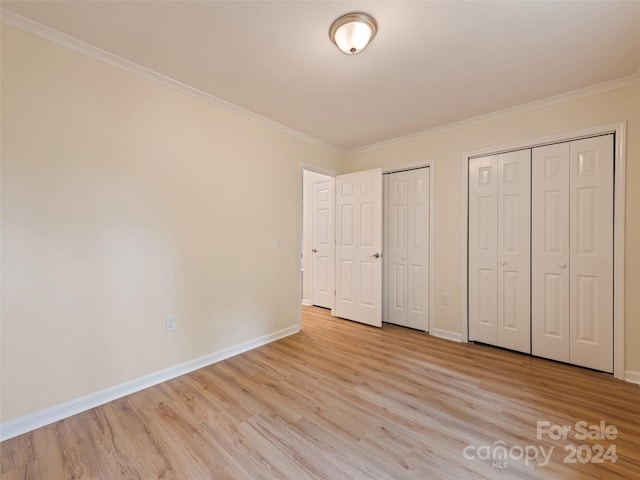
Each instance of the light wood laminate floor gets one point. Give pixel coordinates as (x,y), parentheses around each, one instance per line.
(345,401)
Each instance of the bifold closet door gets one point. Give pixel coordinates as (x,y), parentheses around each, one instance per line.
(499,250)
(483,249)
(572,252)
(591,261)
(550,252)
(407,252)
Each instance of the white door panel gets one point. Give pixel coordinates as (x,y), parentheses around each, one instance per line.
(550,252)
(591,254)
(514,223)
(483,254)
(359,247)
(323,238)
(397,252)
(418,249)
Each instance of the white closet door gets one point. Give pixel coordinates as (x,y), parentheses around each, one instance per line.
(397,201)
(499,250)
(483,254)
(407,252)
(514,250)
(591,260)
(550,252)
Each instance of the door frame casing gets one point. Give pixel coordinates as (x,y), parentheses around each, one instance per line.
(619,130)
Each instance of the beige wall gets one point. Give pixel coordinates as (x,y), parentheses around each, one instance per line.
(446,151)
(124,201)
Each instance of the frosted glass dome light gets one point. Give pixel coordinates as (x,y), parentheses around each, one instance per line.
(353,32)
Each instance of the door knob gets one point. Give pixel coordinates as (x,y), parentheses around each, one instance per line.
(375,255)
(314,250)
(563,265)
(403,257)
(503,262)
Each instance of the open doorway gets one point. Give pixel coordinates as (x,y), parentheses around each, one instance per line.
(342,223)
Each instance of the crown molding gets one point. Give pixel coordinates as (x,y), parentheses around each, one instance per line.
(545,102)
(79,46)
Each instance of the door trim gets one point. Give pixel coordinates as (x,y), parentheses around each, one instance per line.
(619,131)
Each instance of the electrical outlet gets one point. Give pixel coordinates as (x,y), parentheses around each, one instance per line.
(445,299)
(170,323)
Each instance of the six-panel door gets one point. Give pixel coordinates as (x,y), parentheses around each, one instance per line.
(359,247)
(322,241)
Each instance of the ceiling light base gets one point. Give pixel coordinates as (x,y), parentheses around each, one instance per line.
(352,32)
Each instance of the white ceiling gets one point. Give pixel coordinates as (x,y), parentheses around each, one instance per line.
(431,64)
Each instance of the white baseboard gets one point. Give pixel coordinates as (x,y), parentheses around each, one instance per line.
(446,334)
(306,303)
(39,419)
(631,376)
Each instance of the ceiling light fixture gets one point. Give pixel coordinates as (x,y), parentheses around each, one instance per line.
(353,32)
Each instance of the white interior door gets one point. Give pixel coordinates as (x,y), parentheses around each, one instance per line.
(550,252)
(514,250)
(407,228)
(483,253)
(322,243)
(359,247)
(591,254)
(418,248)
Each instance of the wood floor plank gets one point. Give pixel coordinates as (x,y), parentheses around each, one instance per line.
(340,400)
